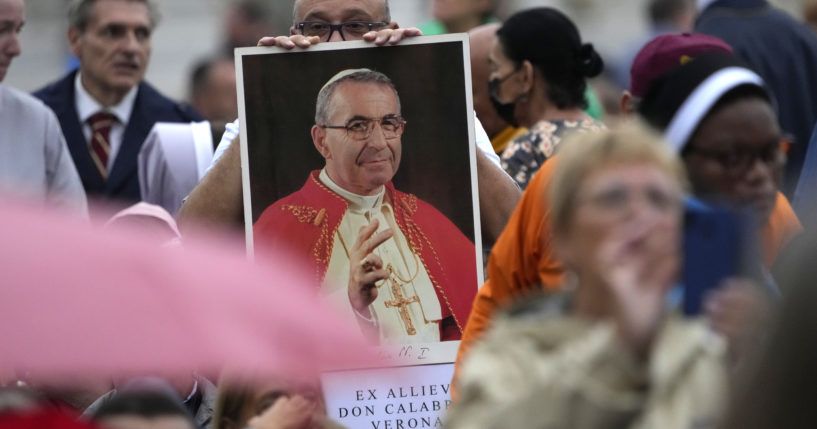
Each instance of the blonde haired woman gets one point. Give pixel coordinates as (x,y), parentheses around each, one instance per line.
(606,353)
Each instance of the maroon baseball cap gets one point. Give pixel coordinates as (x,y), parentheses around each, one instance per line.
(666,52)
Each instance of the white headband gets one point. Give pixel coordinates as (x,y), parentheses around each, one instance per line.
(697,105)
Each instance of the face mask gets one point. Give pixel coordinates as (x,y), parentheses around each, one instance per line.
(505,110)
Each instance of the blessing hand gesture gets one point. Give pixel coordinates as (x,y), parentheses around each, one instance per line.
(366,268)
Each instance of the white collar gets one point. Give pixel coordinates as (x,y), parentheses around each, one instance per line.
(87,105)
(356,202)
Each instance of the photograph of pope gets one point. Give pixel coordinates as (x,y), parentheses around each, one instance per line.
(391,262)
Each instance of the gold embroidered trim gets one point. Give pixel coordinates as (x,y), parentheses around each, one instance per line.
(321,218)
(320,252)
(415,236)
(314,178)
(303,214)
(410,204)
(413,231)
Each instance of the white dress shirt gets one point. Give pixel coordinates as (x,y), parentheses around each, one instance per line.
(87,106)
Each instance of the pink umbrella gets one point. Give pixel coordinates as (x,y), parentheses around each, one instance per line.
(76,301)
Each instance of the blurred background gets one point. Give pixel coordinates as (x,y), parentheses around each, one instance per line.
(191,30)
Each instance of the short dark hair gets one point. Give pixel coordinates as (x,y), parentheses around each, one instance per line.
(143,403)
(386,11)
(79,13)
(550,41)
(200,75)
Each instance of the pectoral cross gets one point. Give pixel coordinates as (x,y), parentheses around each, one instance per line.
(401,302)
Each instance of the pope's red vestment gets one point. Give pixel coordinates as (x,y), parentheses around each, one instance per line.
(305,223)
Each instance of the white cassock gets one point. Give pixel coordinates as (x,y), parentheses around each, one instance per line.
(390,312)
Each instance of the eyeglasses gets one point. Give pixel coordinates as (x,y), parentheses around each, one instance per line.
(324,30)
(361,128)
(738,162)
(618,199)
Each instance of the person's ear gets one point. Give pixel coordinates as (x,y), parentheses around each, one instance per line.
(393,26)
(319,140)
(74,35)
(528,76)
(626,104)
(292,31)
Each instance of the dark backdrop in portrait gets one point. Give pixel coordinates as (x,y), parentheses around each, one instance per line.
(280,91)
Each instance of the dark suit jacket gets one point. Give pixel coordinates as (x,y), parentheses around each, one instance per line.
(149,107)
(784,53)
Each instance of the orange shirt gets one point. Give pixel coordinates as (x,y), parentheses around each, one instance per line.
(522,260)
(782,227)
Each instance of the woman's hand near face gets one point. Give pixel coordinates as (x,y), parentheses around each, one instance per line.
(640,262)
(740,312)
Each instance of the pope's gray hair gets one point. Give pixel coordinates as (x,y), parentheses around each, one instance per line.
(386,11)
(350,75)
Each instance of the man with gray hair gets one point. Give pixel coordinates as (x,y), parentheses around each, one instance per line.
(104,108)
(393,263)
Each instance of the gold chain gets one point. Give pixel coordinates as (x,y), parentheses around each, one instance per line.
(393,274)
(391,270)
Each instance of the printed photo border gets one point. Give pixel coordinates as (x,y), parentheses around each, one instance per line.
(277,89)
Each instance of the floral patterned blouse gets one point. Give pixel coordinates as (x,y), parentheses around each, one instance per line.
(523,157)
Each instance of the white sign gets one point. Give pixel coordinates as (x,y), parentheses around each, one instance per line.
(389,398)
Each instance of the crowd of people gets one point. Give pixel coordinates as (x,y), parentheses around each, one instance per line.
(598,309)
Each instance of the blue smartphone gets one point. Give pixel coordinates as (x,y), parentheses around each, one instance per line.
(718,243)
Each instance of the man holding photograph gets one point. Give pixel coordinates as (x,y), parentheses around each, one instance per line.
(217,200)
(399,267)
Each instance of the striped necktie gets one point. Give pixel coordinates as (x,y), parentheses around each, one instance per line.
(101,123)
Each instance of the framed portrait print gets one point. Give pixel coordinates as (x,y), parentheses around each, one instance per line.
(360,161)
